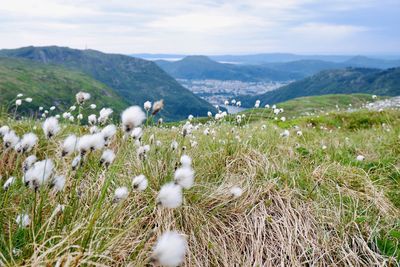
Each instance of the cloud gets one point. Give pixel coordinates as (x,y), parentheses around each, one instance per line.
(199,27)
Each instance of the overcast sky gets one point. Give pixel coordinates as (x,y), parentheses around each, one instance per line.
(205,26)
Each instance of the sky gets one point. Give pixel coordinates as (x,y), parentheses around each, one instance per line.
(206,26)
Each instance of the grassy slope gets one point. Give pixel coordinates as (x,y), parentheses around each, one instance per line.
(302,205)
(344,81)
(50,85)
(134,79)
(312,105)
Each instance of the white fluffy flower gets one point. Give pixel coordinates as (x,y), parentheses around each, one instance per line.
(18,102)
(140,182)
(186,161)
(52,108)
(69,145)
(72,108)
(190,117)
(170,196)
(20,95)
(285,133)
(81,97)
(28,162)
(226,102)
(92,119)
(132,117)
(360,158)
(4,129)
(104,114)
(174,145)
(93,106)
(137,133)
(39,173)
(121,193)
(58,183)
(184,176)
(8,183)
(147,105)
(209,114)
(50,127)
(170,249)
(28,99)
(10,139)
(236,191)
(90,142)
(108,132)
(107,157)
(299,133)
(76,162)
(93,129)
(27,142)
(23,220)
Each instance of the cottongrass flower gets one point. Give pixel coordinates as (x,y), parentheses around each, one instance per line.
(81,97)
(79,117)
(121,193)
(76,162)
(58,183)
(186,161)
(93,129)
(92,119)
(142,151)
(108,132)
(159,105)
(20,95)
(28,99)
(174,145)
(238,103)
(285,133)
(8,183)
(72,108)
(190,117)
(299,133)
(10,139)
(184,177)
(39,174)
(18,102)
(107,157)
(140,182)
(69,145)
(27,142)
(23,220)
(50,127)
(41,108)
(132,117)
(257,104)
(28,162)
(90,142)
(104,114)
(137,133)
(4,129)
(93,106)
(170,249)
(147,105)
(360,158)
(59,209)
(209,114)
(52,108)
(236,191)
(170,196)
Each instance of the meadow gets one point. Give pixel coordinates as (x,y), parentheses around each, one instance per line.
(319,190)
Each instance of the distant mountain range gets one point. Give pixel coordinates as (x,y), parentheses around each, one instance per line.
(133,79)
(201,67)
(342,81)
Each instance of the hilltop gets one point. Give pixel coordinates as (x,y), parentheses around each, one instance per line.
(50,85)
(342,81)
(136,80)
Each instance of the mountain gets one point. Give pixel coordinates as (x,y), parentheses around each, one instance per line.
(51,85)
(135,80)
(202,67)
(342,81)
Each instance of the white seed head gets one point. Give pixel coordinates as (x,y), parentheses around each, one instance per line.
(4,129)
(104,114)
(27,142)
(236,191)
(137,133)
(58,183)
(10,139)
(18,102)
(28,99)
(28,162)
(170,249)
(39,173)
(92,119)
(121,193)
(186,161)
(140,182)
(69,145)
(360,158)
(170,196)
(184,176)
(109,131)
(107,157)
(132,117)
(8,183)
(147,105)
(81,97)
(50,127)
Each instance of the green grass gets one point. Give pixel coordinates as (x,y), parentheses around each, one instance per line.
(301,205)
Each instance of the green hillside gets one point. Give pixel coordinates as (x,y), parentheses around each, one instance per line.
(201,67)
(134,79)
(50,86)
(313,105)
(343,81)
